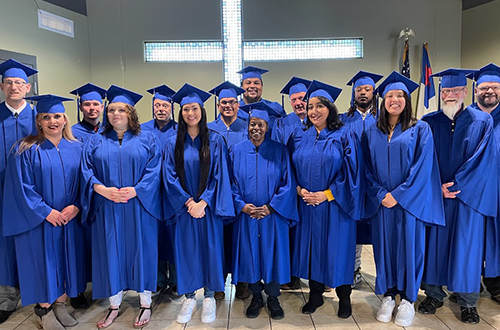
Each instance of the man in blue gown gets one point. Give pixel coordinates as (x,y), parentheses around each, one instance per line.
(163,124)
(89,101)
(361,114)
(252,83)
(16,121)
(284,127)
(487,94)
(465,147)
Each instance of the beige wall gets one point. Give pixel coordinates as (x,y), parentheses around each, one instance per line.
(63,62)
(480,36)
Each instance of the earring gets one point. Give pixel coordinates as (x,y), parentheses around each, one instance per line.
(40,127)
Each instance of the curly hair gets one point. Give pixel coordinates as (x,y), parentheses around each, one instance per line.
(134,126)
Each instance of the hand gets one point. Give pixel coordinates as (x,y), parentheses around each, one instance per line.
(389,201)
(260,212)
(447,193)
(300,191)
(126,193)
(313,198)
(110,193)
(248,209)
(197,210)
(56,218)
(189,202)
(69,213)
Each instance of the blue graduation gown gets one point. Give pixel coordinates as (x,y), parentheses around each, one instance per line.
(166,232)
(199,253)
(466,151)
(163,134)
(284,127)
(12,129)
(235,133)
(407,168)
(124,235)
(358,126)
(261,176)
(83,132)
(324,246)
(492,243)
(49,258)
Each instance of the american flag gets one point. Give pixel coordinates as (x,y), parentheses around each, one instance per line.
(405,70)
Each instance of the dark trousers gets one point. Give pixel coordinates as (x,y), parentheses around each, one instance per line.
(317,289)
(393,292)
(492,285)
(271,289)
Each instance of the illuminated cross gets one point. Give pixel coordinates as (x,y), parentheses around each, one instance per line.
(233,51)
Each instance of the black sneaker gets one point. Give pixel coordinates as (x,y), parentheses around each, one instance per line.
(469,315)
(429,305)
(80,302)
(254,309)
(275,310)
(293,285)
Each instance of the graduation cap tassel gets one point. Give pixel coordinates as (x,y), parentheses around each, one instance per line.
(283,101)
(153,107)
(172,109)
(215,108)
(105,115)
(78,108)
(473,89)
(439,96)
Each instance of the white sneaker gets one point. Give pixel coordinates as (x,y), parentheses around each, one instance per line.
(187,310)
(405,314)
(208,312)
(384,314)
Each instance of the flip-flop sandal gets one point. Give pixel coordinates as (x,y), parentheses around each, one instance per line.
(142,310)
(110,310)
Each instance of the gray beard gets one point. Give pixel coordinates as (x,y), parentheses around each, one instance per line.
(451,110)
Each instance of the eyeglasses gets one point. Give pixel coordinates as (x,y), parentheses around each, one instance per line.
(453,91)
(484,89)
(232,102)
(14,82)
(164,106)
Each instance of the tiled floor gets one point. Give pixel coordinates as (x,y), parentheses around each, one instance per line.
(230,312)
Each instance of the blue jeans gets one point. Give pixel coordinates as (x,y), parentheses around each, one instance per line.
(208,294)
(463,299)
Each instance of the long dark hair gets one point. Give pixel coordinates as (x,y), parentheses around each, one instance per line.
(332,121)
(133,121)
(373,111)
(405,118)
(204,152)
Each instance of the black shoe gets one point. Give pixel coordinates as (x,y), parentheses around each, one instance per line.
(254,309)
(275,310)
(311,306)
(469,315)
(453,297)
(293,285)
(4,315)
(429,305)
(79,302)
(345,309)
(242,291)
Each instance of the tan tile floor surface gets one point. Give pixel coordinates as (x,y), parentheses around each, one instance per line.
(230,312)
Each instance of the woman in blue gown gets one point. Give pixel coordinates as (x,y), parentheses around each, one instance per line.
(41,213)
(404,195)
(198,197)
(265,201)
(120,199)
(328,167)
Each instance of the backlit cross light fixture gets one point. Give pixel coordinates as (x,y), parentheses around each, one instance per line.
(233,51)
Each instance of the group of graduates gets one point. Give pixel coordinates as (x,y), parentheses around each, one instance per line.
(267,196)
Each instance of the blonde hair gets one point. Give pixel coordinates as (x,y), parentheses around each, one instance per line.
(30,140)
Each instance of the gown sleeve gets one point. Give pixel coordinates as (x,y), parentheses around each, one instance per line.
(239,202)
(477,172)
(148,188)
(348,185)
(90,202)
(420,194)
(23,207)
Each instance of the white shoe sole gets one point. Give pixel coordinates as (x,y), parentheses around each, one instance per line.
(404,323)
(384,319)
(208,319)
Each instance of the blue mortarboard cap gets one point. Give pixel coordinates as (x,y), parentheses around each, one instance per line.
(364,78)
(14,69)
(162,92)
(488,73)
(317,88)
(252,72)
(296,85)
(453,77)
(396,81)
(49,103)
(190,94)
(89,92)
(119,94)
(261,114)
(227,89)
(260,106)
